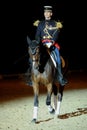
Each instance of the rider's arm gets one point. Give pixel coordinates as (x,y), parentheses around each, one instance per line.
(55,32)
(55,35)
(38,33)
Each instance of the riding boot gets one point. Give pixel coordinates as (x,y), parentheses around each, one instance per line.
(28,75)
(62,81)
(30,81)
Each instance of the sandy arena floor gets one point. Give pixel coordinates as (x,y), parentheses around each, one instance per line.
(16,106)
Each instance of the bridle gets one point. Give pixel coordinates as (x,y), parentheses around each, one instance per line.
(35,56)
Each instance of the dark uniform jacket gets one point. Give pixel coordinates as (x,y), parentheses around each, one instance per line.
(47,29)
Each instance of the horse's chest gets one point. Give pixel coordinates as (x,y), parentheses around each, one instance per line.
(41,78)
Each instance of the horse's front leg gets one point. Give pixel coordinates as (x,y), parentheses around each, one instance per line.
(55,94)
(48,99)
(36,102)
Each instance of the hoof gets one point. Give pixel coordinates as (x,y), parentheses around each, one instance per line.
(33,121)
(52,112)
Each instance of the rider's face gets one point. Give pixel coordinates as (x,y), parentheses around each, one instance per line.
(47,14)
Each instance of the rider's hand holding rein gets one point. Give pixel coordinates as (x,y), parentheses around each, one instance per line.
(48,43)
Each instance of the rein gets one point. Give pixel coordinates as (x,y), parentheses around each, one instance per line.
(35,56)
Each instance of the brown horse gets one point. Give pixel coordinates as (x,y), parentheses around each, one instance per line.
(43,73)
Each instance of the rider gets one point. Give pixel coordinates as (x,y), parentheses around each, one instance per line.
(47,32)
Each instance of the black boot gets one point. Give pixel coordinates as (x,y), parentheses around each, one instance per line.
(28,79)
(59,76)
(28,75)
(29,82)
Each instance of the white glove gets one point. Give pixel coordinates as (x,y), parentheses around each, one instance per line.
(49,44)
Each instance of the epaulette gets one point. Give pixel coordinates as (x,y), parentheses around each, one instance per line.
(59,24)
(36,23)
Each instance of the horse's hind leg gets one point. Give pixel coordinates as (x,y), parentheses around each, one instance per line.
(60,95)
(48,99)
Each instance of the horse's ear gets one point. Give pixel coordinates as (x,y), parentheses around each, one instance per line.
(28,40)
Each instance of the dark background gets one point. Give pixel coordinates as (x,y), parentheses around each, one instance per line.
(16,22)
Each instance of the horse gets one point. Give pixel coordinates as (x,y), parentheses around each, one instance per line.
(43,73)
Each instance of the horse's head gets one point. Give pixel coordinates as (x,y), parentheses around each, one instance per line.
(34,52)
